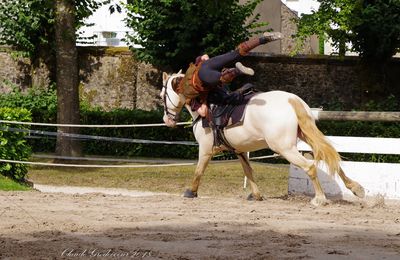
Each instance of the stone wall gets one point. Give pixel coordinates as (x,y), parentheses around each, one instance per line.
(13,72)
(322,81)
(112,78)
(18,72)
(109,78)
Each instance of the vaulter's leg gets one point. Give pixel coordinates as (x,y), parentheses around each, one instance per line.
(210,71)
(354,186)
(248,171)
(245,47)
(228,75)
(293,156)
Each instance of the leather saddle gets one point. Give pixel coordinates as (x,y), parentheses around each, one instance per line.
(225,116)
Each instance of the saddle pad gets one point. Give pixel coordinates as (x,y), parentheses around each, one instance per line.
(237,115)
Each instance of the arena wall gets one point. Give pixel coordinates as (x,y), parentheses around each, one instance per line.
(112,78)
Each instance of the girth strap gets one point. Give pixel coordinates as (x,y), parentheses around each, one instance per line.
(220,139)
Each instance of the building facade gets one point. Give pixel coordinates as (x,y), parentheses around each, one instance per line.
(279,16)
(108,29)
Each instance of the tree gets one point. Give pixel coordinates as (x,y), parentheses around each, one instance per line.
(377,34)
(47,29)
(28,26)
(371,27)
(67,77)
(174,32)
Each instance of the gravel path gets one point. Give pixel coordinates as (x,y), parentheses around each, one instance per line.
(43,225)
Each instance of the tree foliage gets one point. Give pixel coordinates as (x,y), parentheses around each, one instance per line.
(28,25)
(377,34)
(371,27)
(174,32)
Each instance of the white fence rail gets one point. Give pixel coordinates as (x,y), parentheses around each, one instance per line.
(376,178)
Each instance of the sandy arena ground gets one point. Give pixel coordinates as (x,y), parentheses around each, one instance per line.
(35,225)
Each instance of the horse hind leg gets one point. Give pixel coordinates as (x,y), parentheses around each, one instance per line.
(354,186)
(294,157)
(248,171)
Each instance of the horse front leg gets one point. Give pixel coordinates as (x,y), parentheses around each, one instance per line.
(248,171)
(204,159)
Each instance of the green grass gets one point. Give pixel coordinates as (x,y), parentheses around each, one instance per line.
(7,184)
(220,179)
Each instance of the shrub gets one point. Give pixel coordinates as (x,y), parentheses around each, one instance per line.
(124,116)
(42,104)
(13,146)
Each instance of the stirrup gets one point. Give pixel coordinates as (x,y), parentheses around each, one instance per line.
(246,88)
(244,70)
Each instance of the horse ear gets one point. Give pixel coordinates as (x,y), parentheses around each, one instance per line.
(164,78)
(180,71)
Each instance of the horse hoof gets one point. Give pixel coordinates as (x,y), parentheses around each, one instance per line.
(358,190)
(190,194)
(317,202)
(251,197)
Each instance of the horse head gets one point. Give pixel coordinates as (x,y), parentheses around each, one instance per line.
(173,102)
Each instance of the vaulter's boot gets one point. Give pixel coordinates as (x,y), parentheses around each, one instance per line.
(228,75)
(245,47)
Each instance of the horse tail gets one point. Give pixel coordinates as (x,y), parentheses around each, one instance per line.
(309,133)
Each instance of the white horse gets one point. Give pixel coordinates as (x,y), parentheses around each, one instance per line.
(273,120)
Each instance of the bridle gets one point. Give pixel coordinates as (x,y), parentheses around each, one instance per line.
(171,115)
